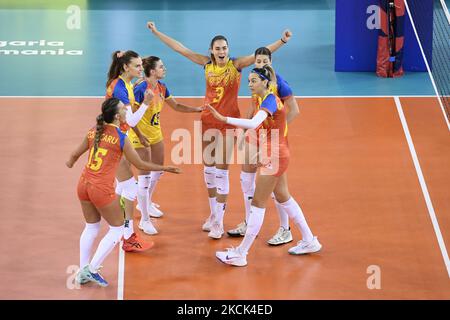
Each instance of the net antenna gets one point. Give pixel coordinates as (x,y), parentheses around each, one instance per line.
(440,53)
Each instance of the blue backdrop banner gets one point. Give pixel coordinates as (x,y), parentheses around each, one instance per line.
(356,34)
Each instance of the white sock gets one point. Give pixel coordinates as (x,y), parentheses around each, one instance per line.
(248,190)
(212,207)
(87,239)
(154,178)
(254,224)
(142,197)
(282,215)
(128,229)
(220,210)
(295,213)
(105,246)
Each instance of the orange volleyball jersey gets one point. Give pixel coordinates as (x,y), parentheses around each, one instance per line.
(275,123)
(222,88)
(101,167)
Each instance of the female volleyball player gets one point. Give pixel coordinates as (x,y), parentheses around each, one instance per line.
(126,66)
(270,115)
(106,144)
(280,88)
(223,75)
(154,71)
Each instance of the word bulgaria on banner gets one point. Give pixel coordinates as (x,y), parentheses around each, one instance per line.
(38,47)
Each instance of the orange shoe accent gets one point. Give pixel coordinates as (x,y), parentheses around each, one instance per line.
(133,244)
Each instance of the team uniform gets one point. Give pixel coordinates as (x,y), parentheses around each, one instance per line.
(96,183)
(276,120)
(149,124)
(278,152)
(222,88)
(123,91)
(281,89)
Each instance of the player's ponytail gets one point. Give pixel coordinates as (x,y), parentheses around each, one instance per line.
(109,110)
(119,59)
(98,131)
(271,73)
(219,37)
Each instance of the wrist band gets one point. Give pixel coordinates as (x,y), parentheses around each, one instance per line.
(283,40)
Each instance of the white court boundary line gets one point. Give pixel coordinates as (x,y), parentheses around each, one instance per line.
(444,7)
(427,65)
(121,272)
(423,185)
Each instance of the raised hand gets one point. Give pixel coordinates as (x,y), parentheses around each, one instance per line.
(286,36)
(151,25)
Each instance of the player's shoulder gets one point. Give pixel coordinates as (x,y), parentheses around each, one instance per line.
(140,85)
(162,84)
(279,77)
(118,85)
(270,97)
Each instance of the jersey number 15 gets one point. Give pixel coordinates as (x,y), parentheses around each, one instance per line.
(95,161)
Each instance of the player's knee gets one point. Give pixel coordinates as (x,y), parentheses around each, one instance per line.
(143,183)
(129,189)
(222,181)
(155,176)
(280,196)
(209,174)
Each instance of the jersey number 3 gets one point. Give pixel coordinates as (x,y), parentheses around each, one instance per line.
(219,91)
(95,162)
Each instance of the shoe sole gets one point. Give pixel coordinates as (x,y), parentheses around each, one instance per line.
(279,244)
(215,237)
(155,215)
(138,250)
(235,235)
(99,283)
(230,264)
(303,253)
(150,234)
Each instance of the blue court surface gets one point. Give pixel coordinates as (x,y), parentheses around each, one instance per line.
(82,56)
